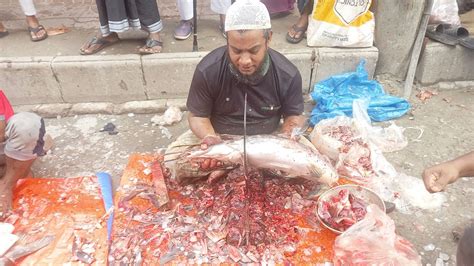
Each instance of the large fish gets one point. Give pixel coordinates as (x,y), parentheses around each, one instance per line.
(289,157)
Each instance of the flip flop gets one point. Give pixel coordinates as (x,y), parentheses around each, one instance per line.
(462,34)
(3,34)
(101,42)
(437,32)
(151,43)
(299,30)
(35,31)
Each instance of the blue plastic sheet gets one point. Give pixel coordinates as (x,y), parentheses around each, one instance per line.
(105,181)
(335,95)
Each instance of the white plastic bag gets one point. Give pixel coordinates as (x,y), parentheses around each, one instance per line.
(328,135)
(445,11)
(412,194)
(387,139)
(347,23)
(372,241)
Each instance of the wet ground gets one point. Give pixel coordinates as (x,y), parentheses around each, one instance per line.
(437,130)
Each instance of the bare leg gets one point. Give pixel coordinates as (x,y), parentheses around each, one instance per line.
(222,25)
(15,170)
(33,22)
(222,19)
(302,22)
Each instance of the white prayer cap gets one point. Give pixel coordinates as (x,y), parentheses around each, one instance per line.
(247,15)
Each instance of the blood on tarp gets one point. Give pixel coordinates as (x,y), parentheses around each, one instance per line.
(61,207)
(158,239)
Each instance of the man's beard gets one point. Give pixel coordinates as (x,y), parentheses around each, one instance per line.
(254,78)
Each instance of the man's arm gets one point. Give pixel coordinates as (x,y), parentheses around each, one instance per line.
(291,122)
(200,126)
(465,164)
(437,177)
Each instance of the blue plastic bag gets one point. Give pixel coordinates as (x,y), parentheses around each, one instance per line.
(334,97)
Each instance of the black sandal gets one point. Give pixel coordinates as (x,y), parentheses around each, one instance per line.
(102,42)
(35,31)
(299,30)
(149,45)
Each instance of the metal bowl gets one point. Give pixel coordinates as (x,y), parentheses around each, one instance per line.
(363,193)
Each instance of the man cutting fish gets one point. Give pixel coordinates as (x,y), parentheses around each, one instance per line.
(245,67)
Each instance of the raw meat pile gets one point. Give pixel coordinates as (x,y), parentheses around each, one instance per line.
(343,210)
(344,145)
(229,221)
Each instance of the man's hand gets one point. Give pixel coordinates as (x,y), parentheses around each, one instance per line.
(437,177)
(291,125)
(206,142)
(210,140)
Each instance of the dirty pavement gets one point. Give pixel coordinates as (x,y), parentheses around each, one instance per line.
(437,128)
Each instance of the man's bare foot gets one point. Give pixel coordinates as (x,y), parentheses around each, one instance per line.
(98,43)
(37,31)
(297,31)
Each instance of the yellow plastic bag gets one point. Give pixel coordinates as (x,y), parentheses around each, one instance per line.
(342,23)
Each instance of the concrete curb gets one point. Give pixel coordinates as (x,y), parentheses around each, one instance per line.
(67,109)
(441,63)
(115,79)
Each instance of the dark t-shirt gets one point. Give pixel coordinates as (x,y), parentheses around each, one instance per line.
(216,93)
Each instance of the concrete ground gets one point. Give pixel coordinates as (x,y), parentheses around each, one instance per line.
(444,120)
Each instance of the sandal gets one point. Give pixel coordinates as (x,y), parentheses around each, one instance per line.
(150,46)
(462,34)
(298,30)
(35,31)
(100,44)
(439,33)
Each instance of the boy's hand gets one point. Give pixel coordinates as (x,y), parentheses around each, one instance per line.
(437,177)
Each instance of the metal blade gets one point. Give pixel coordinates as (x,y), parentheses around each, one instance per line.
(247,183)
(245,134)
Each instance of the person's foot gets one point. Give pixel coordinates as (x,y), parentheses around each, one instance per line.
(295,34)
(183,30)
(152,45)
(98,43)
(297,31)
(37,31)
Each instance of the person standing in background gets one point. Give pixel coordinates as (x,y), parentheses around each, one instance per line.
(185,8)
